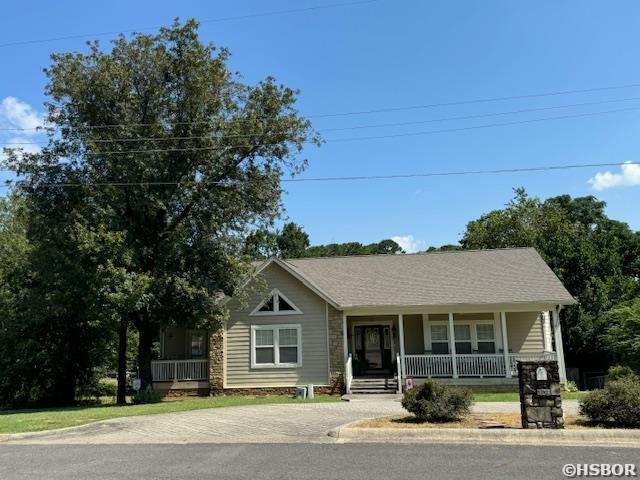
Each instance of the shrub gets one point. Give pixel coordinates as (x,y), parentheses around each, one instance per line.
(148,395)
(619,372)
(437,402)
(571,386)
(617,403)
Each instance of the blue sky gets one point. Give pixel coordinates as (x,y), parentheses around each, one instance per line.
(393,54)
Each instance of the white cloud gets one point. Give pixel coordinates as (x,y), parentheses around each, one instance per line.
(408,243)
(628,177)
(18,143)
(15,113)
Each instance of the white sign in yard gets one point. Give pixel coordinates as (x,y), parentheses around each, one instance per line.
(136,384)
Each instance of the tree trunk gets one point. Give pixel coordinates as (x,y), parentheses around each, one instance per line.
(122,361)
(145,342)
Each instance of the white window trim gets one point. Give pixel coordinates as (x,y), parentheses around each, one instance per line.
(474,334)
(276,345)
(276,295)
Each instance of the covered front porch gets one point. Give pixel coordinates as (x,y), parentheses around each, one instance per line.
(464,345)
(183,360)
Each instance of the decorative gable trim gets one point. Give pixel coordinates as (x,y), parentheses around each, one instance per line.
(275,295)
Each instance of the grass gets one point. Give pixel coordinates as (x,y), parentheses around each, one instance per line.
(17,421)
(514,396)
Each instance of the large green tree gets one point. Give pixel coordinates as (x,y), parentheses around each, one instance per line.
(171,158)
(293,242)
(596,258)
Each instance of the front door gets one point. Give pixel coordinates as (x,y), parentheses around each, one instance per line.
(373,347)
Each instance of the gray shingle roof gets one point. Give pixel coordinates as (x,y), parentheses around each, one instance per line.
(514,275)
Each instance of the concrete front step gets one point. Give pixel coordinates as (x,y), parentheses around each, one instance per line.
(369,396)
(374,386)
(373,391)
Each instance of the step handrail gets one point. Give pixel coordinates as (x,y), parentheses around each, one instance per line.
(348,373)
(399,368)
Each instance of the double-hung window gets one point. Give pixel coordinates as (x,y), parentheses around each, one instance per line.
(439,339)
(197,344)
(462,335)
(276,346)
(486,338)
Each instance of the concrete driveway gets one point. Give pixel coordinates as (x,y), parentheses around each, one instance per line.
(286,423)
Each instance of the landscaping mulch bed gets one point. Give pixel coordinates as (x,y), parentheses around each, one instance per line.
(474,420)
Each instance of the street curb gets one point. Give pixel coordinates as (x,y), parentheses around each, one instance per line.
(599,437)
(109,423)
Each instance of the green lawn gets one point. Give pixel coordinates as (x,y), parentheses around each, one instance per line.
(16,421)
(514,397)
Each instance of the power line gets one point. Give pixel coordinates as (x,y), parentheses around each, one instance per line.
(481,100)
(371,137)
(476,127)
(211,20)
(357,127)
(342,178)
(391,109)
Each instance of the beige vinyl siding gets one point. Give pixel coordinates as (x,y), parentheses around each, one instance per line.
(313,322)
(413,335)
(524,331)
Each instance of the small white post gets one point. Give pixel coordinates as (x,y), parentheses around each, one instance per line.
(452,348)
(546,332)
(345,337)
(401,338)
(505,344)
(557,333)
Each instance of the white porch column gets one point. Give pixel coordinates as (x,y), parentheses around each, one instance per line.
(452,347)
(345,337)
(546,331)
(401,340)
(505,344)
(557,336)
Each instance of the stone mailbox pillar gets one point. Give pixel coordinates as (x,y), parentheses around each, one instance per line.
(540,400)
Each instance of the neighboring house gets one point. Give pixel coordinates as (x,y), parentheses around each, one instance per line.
(464,317)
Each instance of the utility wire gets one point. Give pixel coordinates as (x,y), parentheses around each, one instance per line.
(210,20)
(334,179)
(357,127)
(372,137)
(391,109)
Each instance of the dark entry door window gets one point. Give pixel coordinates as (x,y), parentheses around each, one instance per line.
(373,346)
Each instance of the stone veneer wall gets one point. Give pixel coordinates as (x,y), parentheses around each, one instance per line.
(336,350)
(540,400)
(216,361)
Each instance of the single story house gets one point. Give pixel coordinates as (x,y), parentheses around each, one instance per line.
(465,317)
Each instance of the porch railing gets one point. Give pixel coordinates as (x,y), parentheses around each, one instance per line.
(179,370)
(468,365)
(428,365)
(542,356)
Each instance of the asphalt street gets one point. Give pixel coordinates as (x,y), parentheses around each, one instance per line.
(298,461)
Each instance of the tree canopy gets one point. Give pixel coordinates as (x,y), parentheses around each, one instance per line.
(160,160)
(597,259)
(293,242)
